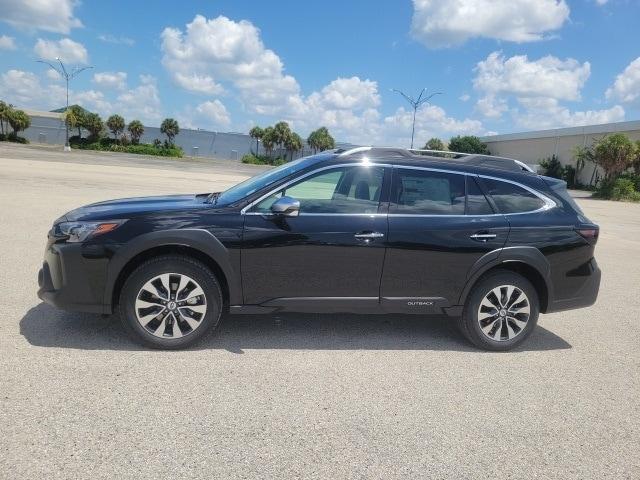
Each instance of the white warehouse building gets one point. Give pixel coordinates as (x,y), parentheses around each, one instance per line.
(531,147)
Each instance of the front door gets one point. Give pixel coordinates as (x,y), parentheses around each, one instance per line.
(440,224)
(330,255)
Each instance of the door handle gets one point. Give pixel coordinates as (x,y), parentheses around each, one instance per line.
(482,236)
(368,235)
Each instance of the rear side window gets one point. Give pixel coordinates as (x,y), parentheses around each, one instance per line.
(477,203)
(510,198)
(428,193)
(561,190)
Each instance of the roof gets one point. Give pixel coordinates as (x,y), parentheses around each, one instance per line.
(434,158)
(599,129)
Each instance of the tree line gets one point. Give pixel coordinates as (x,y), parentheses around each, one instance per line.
(282,137)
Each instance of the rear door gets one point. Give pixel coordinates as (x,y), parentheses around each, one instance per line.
(440,224)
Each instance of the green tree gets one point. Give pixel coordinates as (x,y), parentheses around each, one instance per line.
(614,154)
(282,132)
(321,139)
(468,144)
(5,110)
(256,133)
(136,129)
(75,117)
(269,140)
(94,125)
(18,120)
(435,144)
(170,128)
(636,160)
(115,123)
(293,143)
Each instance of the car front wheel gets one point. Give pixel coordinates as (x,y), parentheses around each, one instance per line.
(501,311)
(170,302)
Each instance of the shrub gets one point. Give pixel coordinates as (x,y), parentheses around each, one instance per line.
(12,137)
(551,167)
(618,189)
(262,160)
(112,145)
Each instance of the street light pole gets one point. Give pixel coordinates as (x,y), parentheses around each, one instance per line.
(68,76)
(416,104)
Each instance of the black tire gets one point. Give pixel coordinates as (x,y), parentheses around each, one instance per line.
(176,264)
(469,325)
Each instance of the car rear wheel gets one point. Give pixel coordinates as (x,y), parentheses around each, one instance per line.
(170,302)
(501,311)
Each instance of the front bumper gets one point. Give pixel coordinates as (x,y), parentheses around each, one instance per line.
(586,295)
(72,278)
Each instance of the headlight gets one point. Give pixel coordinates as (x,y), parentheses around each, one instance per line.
(81,231)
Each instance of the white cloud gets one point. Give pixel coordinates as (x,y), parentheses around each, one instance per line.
(65,49)
(602,2)
(492,107)
(116,80)
(465,97)
(7,43)
(626,87)
(92,100)
(549,76)
(24,90)
(212,51)
(446,23)
(350,93)
(545,113)
(49,15)
(141,103)
(209,115)
(108,38)
(198,83)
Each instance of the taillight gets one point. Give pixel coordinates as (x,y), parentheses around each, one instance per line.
(590,234)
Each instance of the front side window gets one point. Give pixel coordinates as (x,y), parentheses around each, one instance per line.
(511,198)
(428,192)
(338,190)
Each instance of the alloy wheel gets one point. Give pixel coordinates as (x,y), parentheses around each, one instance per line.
(503,313)
(171,305)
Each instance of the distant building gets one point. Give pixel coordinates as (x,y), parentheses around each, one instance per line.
(531,147)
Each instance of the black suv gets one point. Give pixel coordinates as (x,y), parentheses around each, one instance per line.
(482,239)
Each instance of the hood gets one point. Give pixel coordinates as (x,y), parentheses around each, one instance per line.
(128,207)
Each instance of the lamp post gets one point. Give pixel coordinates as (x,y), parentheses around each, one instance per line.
(416,104)
(68,76)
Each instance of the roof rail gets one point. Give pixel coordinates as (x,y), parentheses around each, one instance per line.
(490,161)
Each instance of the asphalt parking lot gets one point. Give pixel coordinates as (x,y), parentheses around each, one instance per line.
(301,396)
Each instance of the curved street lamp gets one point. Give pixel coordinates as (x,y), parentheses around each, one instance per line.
(416,104)
(68,76)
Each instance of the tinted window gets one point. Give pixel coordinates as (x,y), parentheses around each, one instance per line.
(477,203)
(339,190)
(510,198)
(431,193)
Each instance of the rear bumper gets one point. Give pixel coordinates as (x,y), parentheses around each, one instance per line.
(585,296)
(70,281)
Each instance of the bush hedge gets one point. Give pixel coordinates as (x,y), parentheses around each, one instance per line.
(112,145)
(12,137)
(252,159)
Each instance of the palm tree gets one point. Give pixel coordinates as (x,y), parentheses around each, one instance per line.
(19,121)
(293,143)
(281,131)
(320,139)
(115,123)
(170,128)
(94,124)
(268,140)
(136,129)
(5,110)
(257,133)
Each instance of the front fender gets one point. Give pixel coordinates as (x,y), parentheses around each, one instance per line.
(198,239)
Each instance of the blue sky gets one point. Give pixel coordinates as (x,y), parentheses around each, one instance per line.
(502,65)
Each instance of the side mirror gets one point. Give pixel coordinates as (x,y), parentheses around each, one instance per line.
(286,206)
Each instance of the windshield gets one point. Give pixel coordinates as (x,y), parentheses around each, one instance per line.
(253,184)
